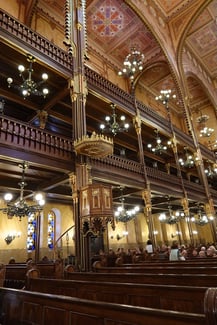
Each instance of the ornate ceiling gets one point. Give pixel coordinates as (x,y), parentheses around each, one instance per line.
(113,28)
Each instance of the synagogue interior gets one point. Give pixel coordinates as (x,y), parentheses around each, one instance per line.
(108,111)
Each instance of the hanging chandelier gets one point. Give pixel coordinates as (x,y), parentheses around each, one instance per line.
(158,148)
(20,208)
(211,170)
(213,145)
(113,124)
(122,214)
(133,64)
(165,96)
(171,217)
(29,86)
(188,160)
(200,218)
(205,131)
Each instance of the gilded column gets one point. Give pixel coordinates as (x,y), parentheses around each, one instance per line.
(147,191)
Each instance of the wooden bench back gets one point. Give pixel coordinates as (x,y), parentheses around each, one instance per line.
(169,297)
(157,269)
(21,307)
(202,280)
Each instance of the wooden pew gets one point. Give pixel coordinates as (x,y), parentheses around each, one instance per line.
(168,297)
(194,262)
(21,307)
(204,280)
(129,260)
(156,269)
(16,273)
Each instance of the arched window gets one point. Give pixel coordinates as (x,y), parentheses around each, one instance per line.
(31,232)
(51,229)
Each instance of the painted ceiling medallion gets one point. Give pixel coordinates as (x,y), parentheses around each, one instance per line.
(107,20)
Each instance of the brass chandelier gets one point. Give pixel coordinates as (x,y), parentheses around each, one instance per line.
(113,124)
(158,147)
(122,214)
(20,208)
(29,86)
(187,160)
(133,64)
(200,217)
(205,131)
(171,217)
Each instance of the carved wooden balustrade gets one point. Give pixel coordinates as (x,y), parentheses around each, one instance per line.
(19,136)
(20,34)
(120,168)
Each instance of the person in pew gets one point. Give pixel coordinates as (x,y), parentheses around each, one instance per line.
(12,260)
(30,264)
(194,253)
(59,269)
(163,252)
(149,247)
(183,255)
(174,252)
(202,254)
(211,252)
(45,260)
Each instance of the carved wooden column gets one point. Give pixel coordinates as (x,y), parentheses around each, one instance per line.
(165,97)
(147,191)
(75,40)
(75,200)
(87,221)
(209,207)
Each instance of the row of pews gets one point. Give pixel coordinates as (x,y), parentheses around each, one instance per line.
(115,298)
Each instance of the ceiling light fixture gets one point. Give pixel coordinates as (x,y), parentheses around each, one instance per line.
(205,131)
(200,217)
(165,96)
(171,217)
(112,124)
(133,64)
(29,86)
(122,214)
(213,146)
(188,160)
(211,170)
(158,148)
(20,208)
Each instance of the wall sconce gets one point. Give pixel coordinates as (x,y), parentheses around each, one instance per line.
(10,237)
(125,233)
(176,234)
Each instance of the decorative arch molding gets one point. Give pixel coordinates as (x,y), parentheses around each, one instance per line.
(30,8)
(181,49)
(193,68)
(160,31)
